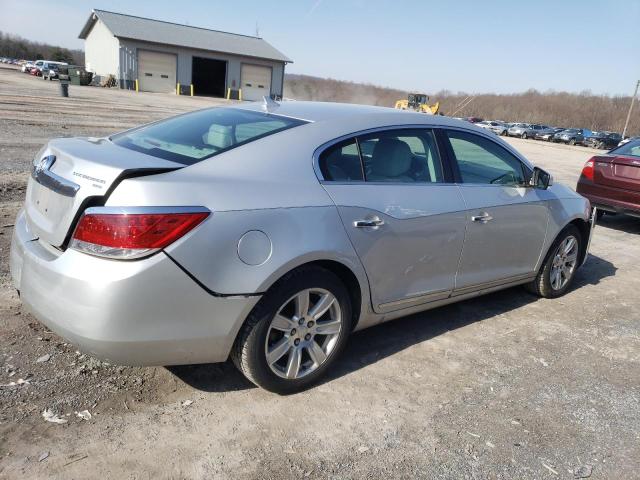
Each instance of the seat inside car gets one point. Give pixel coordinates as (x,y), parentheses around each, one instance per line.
(218,136)
(343,167)
(391,161)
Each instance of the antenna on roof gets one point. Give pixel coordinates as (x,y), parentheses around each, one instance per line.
(268,102)
(257,29)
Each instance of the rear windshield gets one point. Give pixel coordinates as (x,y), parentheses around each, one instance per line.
(631,148)
(195,136)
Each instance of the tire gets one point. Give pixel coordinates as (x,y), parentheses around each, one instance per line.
(263,330)
(543,285)
(504,133)
(572,141)
(599,213)
(524,135)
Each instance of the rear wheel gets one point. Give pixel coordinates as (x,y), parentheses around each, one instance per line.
(524,135)
(296,331)
(560,265)
(572,141)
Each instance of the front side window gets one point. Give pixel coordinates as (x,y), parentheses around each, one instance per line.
(482,161)
(195,136)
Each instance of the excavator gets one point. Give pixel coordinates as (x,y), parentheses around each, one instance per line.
(418,103)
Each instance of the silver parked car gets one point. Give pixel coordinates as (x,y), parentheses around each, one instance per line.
(499,128)
(269,233)
(526,130)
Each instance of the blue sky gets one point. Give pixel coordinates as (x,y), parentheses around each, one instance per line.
(501,46)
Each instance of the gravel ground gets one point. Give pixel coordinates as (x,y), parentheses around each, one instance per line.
(503,386)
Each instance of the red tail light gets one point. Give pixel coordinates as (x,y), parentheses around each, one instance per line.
(587,170)
(126,235)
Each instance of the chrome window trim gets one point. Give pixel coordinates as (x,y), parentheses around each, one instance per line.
(42,174)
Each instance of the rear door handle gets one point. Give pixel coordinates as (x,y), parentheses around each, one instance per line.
(370,222)
(483,218)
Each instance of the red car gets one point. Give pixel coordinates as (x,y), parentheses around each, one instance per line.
(612,181)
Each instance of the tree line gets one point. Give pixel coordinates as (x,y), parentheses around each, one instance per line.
(14,46)
(562,109)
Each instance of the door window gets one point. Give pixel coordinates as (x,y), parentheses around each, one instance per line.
(485,162)
(401,156)
(341,162)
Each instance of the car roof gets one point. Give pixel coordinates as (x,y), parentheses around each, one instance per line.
(326,111)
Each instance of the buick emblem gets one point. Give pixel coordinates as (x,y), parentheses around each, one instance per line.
(44,164)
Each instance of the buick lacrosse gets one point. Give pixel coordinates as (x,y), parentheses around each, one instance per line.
(269,232)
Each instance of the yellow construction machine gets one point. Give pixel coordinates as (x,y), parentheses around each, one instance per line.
(418,103)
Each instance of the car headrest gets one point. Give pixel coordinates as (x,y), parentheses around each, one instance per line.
(391,158)
(218,136)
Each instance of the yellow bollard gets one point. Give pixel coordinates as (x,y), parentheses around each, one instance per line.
(228,94)
(137,90)
(192,89)
(178,89)
(240,94)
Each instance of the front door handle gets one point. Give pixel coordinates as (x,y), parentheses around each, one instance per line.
(369,222)
(483,218)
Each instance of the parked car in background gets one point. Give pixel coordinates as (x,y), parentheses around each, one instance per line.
(268,232)
(572,136)
(611,181)
(603,140)
(45,66)
(473,119)
(547,134)
(525,130)
(50,71)
(26,67)
(499,128)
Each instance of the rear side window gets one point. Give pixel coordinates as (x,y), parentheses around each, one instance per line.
(401,156)
(482,161)
(193,137)
(341,162)
(395,156)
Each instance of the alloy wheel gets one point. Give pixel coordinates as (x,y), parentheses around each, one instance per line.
(564,263)
(303,333)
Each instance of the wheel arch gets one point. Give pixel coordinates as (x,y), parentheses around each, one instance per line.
(585,229)
(350,274)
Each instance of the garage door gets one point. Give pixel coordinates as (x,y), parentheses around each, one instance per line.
(156,71)
(255,81)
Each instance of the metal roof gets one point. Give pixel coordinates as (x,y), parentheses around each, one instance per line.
(158,31)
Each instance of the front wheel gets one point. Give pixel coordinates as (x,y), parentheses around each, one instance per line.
(560,265)
(524,135)
(296,331)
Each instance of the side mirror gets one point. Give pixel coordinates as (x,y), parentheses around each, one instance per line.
(541,179)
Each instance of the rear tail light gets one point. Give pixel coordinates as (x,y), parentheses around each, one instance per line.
(587,170)
(131,233)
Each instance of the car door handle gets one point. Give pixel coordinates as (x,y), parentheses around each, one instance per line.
(371,222)
(484,218)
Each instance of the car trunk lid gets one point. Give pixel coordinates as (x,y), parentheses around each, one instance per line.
(71,174)
(617,171)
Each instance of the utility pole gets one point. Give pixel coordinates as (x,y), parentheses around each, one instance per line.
(633,99)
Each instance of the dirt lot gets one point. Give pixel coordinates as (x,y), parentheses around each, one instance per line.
(504,386)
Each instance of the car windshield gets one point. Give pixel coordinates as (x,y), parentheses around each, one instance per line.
(195,136)
(631,148)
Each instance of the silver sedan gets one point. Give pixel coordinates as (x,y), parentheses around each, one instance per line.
(269,232)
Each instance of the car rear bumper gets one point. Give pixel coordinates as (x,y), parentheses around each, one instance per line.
(144,312)
(603,198)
